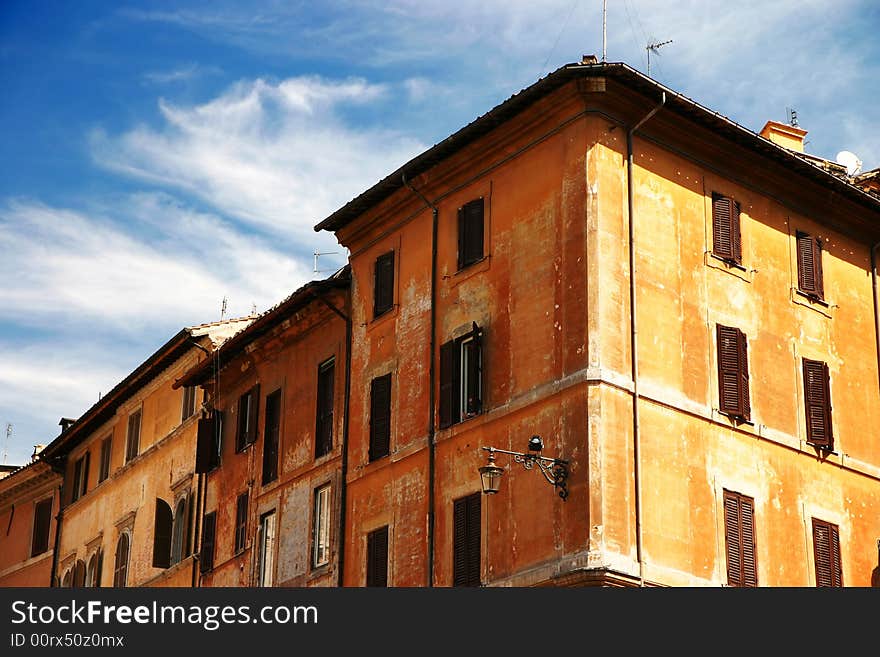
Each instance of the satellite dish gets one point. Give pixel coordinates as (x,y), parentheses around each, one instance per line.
(851,161)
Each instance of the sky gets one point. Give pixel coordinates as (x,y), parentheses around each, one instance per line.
(163,159)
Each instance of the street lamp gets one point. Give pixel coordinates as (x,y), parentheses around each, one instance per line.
(555,471)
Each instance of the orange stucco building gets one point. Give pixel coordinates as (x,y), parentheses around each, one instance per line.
(682,309)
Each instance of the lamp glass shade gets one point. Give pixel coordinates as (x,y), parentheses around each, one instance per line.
(490,475)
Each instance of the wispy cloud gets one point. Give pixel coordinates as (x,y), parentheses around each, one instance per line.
(180,74)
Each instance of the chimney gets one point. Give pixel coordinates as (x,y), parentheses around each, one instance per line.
(37,450)
(589,59)
(65,423)
(785,135)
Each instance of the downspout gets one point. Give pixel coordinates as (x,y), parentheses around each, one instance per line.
(431,387)
(633,323)
(196,538)
(340,582)
(876,302)
(58,520)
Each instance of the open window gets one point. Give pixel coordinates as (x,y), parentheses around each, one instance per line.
(461,378)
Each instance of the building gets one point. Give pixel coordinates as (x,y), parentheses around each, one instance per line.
(129,493)
(683,310)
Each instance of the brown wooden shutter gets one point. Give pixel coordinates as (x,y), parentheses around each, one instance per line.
(722,234)
(206,550)
(42,527)
(449,393)
(120,571)
(162,529)
(474,360)
(383,284)
(272,437)
(739,530)
(377,557)
(104,469)
(324,419)
(241,510)
(809,256)
(733,372)
(380,416)
(470,233)
(85,474)
(205,444)
(466,541)
(817,395)
(254,410)
(826,554)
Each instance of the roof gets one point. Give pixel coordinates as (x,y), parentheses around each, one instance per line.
(809,166)
(105,407)
(235,345)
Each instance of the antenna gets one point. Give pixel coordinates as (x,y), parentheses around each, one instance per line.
(654,47)
(792,116)
(851,161)
(253,309)
(223,310)
(317,253)
(6,444)
(604,33)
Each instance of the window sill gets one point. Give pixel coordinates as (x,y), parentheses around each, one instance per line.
(738,270)
(476,267)
(821,306)
(378,320)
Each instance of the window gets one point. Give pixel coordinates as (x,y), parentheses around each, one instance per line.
(817,396)
(324,421)
(132,442)
(104,468)
(267,549)
(80,477)
(726,238)
(180,531)
(248,407)
(461,378)
(209,442)
(321,527)
(826,554)
(42,526)
(470,233)
(79,574)
(206,550)
(120,570)
(271,437)
(93,572)
(377,557)
(466,541)
(739,533)
(380,416)
(189,402)
(241,509)
(383,284)
(809,260)
(733,372)
(162,527)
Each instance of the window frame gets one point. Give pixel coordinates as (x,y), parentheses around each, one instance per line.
(180,529)
(461,378)
(826,558)
(247,421)
(817,403)
(241,515)
(377,557)
(380,417)
(163,527)
(188,408)
(324,407)
(811,281)
(120,570)
(40,506)
(321,510)
(383,284)
(266,561)
(209,441)
(733,372)
(106,455)
(467,540)
(471,233)
(726,229)
(133,435)
(271,437)
(208,542)
(80,477)
(740,541)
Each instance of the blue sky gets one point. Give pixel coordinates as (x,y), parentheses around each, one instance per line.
(159,157)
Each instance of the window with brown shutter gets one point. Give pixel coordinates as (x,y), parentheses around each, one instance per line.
(726,236)
(826,554)
(380,417)
(733,372)
(817,397)
(377,557)
(466,541)
(206,550)
(133,438)
(248,411)
(120,569)
(241,510)
(739,532)
(324,411)
(271,438)
(189,402)
(809,260)
(383,284)
(80,477)
(470,233)
(209,442)
(104,468)
(42,526)
(461,378)
(162,527)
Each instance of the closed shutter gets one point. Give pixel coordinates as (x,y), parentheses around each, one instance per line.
(162,529)
(254,415)
(241,509)
(817,395)
(324,420)
(449,394)
(809,256)
(42,526)
(466,541)
(205,445)
(206,550)
(739,530)
(383,284)
(826,554)
(470,233)
(132,444)
(272,437)
(733,372)
(377,557)
(380,416)
(85,474)
(726,236)
(104,468)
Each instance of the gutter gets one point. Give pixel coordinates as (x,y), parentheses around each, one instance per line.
(431,386)
(634,331)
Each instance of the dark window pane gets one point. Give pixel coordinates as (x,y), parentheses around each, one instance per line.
(383,284)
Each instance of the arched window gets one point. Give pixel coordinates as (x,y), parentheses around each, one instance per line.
(67,580)
(93,572)
(120,570)
(162,534)
(179,534)
(79,574)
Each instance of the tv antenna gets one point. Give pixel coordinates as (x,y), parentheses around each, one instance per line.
(6,444)
(654,47)
(223,310)
(792,117)
(604,32)
(318,253)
